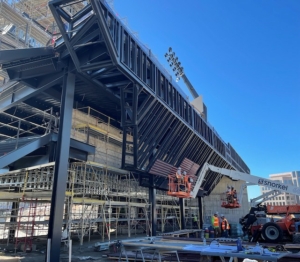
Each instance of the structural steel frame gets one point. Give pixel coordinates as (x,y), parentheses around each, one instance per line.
(115,70)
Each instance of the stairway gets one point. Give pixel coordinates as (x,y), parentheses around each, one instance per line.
(26,145)
(10,145)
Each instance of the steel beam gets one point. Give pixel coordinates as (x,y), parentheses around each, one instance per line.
(182,213)
(77,145)
(152,201)
(61,168)
(83,30)
(6,56)
(200,210)
(105,31)
(24,150)
(54,9)
(26,92)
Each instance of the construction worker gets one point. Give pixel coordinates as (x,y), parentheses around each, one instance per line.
(224,226)
(179,174)
(296,221)
(290,216)
(195,221)
(215,224)
(178,179)
(229,195)
(234,195)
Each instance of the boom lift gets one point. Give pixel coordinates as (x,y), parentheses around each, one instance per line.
(182,186)
(255,223)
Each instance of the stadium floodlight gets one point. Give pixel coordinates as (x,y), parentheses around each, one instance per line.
(179,71)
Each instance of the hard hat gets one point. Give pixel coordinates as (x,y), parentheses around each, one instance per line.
(222,215)
(216,213)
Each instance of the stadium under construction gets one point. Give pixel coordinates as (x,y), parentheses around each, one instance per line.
(91,125)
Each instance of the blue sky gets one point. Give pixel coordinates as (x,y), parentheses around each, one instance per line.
(244,58)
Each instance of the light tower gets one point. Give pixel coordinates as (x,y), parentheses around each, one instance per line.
(178,70)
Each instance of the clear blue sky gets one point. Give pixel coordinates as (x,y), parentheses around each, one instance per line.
(244,58)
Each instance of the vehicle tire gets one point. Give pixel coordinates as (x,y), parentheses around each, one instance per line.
(296,238)
(271,232)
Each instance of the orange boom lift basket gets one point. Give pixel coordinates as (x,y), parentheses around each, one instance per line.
(180,187)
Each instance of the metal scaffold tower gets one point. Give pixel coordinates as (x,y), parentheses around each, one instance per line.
(99,200)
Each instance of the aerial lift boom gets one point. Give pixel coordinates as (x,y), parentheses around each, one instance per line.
(255,180)
(255,223)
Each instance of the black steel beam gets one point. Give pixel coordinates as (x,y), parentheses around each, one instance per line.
(61,168)
(7,56)
(101,87)
(200,211)
(182,213)
(26,92)
(105,31)
(81,42)
(77,145)
(166,145)
(152,201)
(54,10)
(80,14)
(24,150)
(64,15)
(83,30)
(97,66)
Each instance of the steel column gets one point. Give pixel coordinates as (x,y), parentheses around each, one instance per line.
(61,167)
(152,201)
(182,213)
(200,211)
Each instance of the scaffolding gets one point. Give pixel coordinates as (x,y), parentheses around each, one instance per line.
(101,199)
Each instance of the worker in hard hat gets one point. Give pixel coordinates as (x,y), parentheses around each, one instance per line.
(215,222)
(296,221)
(224,226)
(178,179)
(195,221)
(179,174)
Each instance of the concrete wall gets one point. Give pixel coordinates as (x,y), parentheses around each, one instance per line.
(106,153)
(212,203)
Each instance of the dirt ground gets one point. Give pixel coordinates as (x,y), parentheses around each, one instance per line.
(86,252)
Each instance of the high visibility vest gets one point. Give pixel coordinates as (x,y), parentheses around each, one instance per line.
(195,219)
(215,222)
(225,224)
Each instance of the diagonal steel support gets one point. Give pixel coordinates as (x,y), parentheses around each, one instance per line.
(57,16)
(96,4)
(24,150)
(25,92)
(61,168)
